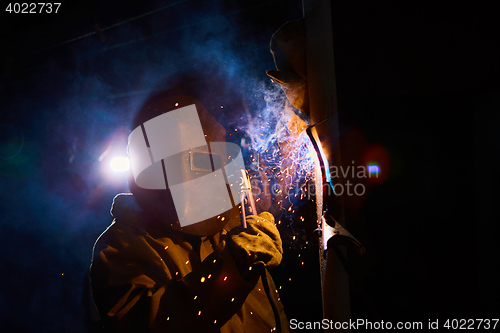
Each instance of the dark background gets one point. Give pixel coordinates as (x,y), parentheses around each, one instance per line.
(417,86)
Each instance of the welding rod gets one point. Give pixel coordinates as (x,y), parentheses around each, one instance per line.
(248,190)
(243,213)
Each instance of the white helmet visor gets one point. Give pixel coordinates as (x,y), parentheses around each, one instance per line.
(171,151)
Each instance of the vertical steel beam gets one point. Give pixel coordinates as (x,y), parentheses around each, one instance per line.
(323,105)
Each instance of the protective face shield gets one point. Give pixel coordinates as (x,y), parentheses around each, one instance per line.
(182,165)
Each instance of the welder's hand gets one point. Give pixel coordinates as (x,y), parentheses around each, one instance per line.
(258,245)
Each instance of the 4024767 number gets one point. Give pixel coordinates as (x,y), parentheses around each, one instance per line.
(33,7)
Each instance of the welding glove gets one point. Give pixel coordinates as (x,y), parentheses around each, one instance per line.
(259,245)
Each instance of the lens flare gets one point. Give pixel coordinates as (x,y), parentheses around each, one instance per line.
(120,164)
(373,169)
(378,163)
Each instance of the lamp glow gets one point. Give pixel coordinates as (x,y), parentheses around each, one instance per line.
(120,164)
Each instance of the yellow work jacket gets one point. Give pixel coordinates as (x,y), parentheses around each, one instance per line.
(147,277)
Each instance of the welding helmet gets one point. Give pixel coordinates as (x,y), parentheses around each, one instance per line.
(184,171)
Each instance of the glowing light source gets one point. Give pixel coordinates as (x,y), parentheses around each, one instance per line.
(377,159)
(373,169)
(120,164)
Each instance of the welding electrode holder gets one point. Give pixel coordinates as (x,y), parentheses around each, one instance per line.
(343,237)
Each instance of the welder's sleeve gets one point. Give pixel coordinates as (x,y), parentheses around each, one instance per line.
(136,293)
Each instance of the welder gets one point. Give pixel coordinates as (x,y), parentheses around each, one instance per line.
(176,257)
